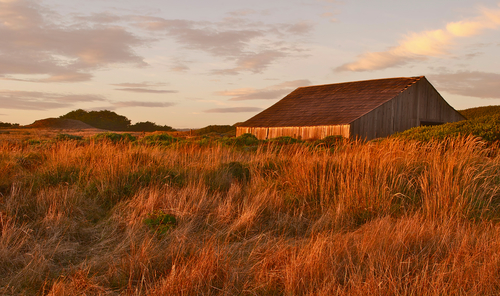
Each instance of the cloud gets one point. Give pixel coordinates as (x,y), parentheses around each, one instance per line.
(255,63)
(141,84)
(242,12)
(421,46)
(65,52)
(147,90)
(252,46)
(468,83)
(102,18)
(269,93)
(127,104)
(234,110)
(68,77)
(144,87)
(28,100)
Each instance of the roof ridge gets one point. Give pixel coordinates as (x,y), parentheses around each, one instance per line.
(415,79)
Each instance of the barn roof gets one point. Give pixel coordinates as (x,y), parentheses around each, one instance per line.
(330,104)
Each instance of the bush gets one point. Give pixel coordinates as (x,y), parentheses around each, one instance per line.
(159,139)
(244,140)
(149,127)
(284,140)
(114,138)
(160,222)
(104,119)
(67,137)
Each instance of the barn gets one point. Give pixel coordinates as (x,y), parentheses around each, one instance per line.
(361,109)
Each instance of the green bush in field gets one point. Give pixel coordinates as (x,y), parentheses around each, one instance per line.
(67,137)
(284,140)
(244,140)
(485,127)
(160,222)
(114,138)
(159,139)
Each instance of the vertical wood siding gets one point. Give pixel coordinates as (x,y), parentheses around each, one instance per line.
(419,103)
(303,132)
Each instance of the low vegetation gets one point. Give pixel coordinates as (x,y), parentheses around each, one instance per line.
(164,216)
(477,112)
(485,127)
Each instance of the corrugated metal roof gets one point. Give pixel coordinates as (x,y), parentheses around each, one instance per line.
(330,104)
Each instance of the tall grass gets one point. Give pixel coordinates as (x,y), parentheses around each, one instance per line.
(389,218)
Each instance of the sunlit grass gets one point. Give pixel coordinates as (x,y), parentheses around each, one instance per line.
(391,217)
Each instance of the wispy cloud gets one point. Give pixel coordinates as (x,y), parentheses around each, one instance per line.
(144,87)
(29,100)
(420,46)
(234,110)
(128,104)
(147,90)
(269,93)
(33,45)
(469,83)
(252,46)
(140,84)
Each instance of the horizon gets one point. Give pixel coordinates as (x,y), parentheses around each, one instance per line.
(198,64)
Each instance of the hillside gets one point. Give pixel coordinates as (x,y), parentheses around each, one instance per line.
(476,112)
(59,123)
(482,122)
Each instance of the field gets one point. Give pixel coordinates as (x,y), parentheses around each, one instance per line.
(89,216)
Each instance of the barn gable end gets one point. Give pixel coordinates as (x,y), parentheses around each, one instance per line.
(365,109)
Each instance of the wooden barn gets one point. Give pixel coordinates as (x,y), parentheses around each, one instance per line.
(365,109)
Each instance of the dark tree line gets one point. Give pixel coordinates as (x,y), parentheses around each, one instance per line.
(8,125)
(109,120)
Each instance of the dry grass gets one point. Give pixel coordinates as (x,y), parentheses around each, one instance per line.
(385,218)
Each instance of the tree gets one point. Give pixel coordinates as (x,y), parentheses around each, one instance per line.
(103,119)
(149,127)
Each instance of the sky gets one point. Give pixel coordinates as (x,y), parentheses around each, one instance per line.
(193,63)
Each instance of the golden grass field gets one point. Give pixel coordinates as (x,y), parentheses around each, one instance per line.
(391,217)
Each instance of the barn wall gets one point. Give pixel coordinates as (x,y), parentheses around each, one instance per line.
(304,132)
(418,103)
(432,106)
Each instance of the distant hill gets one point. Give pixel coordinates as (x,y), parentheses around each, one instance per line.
(477,112)
(59,123)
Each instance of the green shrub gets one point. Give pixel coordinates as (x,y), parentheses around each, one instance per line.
(159,139)
(67,137)
(244,140)
(114,138)
(160,222)
(284,140)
